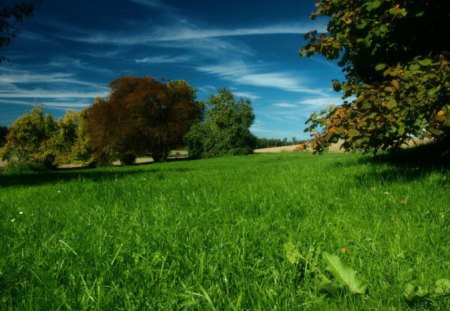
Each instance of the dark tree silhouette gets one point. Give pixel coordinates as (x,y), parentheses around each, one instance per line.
(3,133)
(10,16)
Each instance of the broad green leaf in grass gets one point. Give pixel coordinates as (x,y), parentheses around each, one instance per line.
(442,287)
(344,274)
(292,253)
(327,286)
(413,292)
(409,292)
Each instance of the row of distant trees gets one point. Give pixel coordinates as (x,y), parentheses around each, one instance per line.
(141,116)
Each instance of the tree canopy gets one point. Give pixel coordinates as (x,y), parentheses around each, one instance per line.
(36,139)
(397,72)
(9,17)
(225,129)
(142,115)
(27,137)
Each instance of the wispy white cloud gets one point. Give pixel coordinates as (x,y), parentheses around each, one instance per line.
(112,53)
(294,113)
(17,102)
(298,111)
(185,31)
(310,103)
(33,36)
(51,104)
(21,84)
(149,3)
(210,89)
(262,131)
(14,76)
(249,95)
(41,94)
(321,101)
(190,32)
(241,73)
(164,59)
(285,105)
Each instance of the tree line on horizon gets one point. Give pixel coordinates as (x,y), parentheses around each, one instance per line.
(141,117)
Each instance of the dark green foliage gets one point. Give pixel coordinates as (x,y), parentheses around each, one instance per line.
(10,15)
(195,140)
(397,72)
(128,158)
(225,129)
(3,133)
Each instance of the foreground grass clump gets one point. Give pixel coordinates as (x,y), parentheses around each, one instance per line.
(213,234)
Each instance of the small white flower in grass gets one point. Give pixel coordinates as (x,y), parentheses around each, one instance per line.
(20,213)
(13,220)
(59,191)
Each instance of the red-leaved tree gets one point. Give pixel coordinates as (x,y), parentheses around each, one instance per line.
(142,115)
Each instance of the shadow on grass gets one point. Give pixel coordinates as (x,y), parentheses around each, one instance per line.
(69,174)
(407,164)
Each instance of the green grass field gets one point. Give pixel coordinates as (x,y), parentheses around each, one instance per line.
(227,233)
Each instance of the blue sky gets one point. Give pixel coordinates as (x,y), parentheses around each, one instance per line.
(69,51)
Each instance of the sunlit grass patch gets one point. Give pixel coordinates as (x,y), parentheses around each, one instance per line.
(213,234)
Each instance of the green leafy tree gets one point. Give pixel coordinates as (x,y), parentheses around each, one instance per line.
(10,16)
(225,129)
(142,115)
(28,138)
(70,141)
(397,72)
(81,148)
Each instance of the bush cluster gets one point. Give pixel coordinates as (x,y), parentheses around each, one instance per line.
(37,141)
